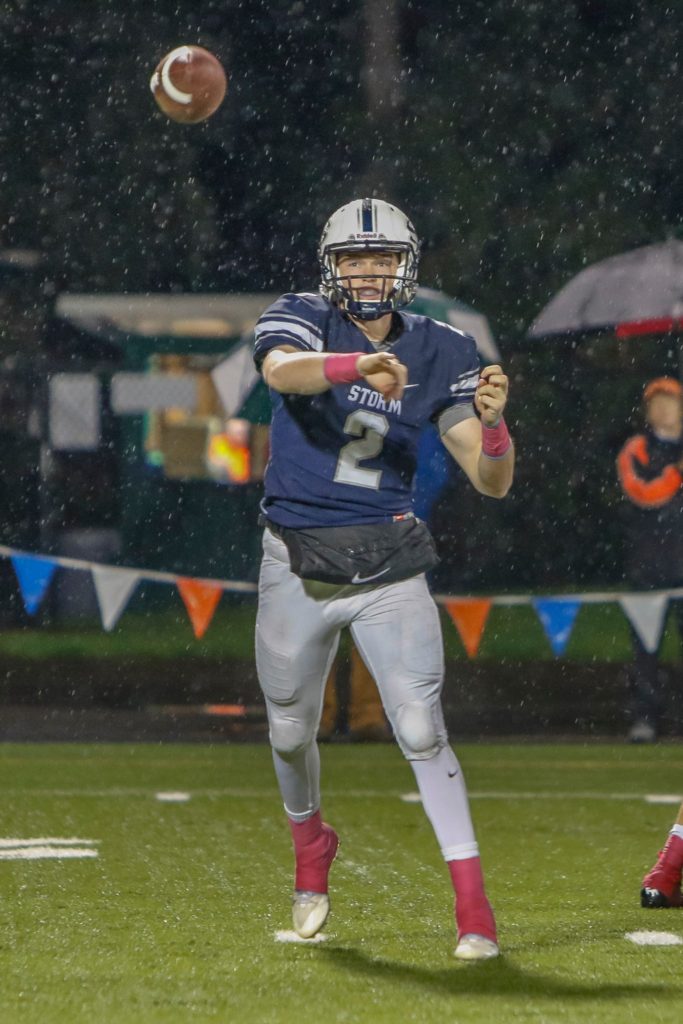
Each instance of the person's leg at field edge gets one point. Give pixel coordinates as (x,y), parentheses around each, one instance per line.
(366,712)
(645,698)
(295,647)
(399,636)
(661,886)
(363,709)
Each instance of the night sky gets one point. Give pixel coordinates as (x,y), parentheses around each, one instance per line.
(524,139)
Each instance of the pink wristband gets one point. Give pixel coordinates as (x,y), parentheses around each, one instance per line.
(495,441)
(340,368)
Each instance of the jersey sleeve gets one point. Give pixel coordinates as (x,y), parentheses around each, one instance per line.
(461,379)
(291,320)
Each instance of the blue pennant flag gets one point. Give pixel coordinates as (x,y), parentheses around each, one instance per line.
(34,575)
(558,616)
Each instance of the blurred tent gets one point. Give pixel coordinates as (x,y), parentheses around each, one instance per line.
(176,470)
(636,292)
(205,316)
(440,306)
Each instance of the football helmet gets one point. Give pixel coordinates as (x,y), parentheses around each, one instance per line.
(361,226)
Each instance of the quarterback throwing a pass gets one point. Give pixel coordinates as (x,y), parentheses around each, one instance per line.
(353,380)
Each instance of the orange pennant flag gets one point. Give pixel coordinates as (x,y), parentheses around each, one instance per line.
(200,600)
(469,615)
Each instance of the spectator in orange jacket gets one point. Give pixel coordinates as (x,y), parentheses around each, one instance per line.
(649,468)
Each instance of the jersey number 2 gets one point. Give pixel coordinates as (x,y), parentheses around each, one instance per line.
(370,428)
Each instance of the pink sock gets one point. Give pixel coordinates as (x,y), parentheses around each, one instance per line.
(305,832)
(315,845)
(473,912)
(673,851)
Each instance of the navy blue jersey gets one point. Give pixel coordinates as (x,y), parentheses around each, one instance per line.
(346,456)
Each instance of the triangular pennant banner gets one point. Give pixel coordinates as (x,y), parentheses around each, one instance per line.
(557,616)
(114,588)
(234,378)
(200,600)
(34,575)
(646,613)
(469,616)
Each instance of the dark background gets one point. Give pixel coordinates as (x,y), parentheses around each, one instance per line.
(526,140)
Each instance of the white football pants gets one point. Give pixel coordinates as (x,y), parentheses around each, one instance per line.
(397,630)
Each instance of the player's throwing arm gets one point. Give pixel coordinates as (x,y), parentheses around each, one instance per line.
(308,373)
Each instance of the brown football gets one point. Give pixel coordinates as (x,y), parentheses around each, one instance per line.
(189,84)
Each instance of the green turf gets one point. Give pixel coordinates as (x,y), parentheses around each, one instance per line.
(601,633)
(166,635)
(175,919)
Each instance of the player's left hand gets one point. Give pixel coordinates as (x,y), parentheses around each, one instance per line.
(491,395)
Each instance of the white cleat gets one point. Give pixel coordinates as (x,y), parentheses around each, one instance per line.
(476,947)
(309,912)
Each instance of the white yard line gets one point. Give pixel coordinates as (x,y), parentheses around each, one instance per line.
(356,794)
(548,794)
(47,841)
(48,853)
(47,848)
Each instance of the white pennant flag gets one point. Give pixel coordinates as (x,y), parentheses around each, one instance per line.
(114,588)
(646,613)
(235,377)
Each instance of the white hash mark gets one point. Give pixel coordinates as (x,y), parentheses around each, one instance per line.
(289,936)
(654,938)
(46,849)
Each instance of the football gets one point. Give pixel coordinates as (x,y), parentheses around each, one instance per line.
(189,84)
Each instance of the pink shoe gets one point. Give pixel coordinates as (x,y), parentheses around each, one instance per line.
(661,886)
(310,902)
(477,938)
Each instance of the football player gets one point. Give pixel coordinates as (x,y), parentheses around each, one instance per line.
(353,379)
(661,886)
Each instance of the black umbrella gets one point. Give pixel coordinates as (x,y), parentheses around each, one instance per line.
(637,292)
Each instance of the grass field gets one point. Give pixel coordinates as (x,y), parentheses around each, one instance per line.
(601,633)
(174,919)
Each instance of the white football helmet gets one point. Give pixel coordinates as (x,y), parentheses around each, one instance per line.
(362,225)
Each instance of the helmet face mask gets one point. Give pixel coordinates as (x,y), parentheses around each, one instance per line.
(365,226)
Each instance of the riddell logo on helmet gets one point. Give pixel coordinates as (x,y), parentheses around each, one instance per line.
(367,235)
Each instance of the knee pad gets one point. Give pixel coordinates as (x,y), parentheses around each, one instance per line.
(288,736)
(416,731)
